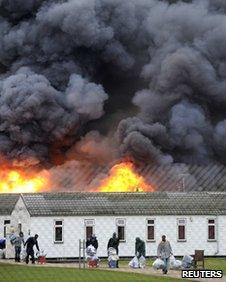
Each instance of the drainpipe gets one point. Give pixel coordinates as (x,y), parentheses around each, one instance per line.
(217,235)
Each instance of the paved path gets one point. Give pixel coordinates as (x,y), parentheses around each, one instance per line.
(148,270)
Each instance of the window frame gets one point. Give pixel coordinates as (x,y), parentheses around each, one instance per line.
(54,231)
(185,229)
(7,223)
(215,229)
(121,225)
(150,224)
(89,223)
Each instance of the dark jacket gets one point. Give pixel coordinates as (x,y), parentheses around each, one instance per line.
(88,242)
(94,242)
(31,241)
(2,243)
(139,247)
(113,243)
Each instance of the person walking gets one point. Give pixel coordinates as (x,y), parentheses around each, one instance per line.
(19,240)
(114,243)
(31,241)
(139,248)
(164,251)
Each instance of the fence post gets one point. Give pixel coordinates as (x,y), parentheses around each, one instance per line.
(79,259)
(84,247)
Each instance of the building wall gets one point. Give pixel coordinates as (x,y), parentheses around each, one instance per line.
(21,216)
(74,229)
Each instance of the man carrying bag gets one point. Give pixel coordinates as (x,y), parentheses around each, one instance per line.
(164,251)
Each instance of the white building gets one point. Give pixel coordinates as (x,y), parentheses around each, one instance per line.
(189,220)
(7,205)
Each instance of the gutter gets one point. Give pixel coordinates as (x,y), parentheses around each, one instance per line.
(217,236)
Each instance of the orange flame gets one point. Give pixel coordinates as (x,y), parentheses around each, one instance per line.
(123,178)
(17,181)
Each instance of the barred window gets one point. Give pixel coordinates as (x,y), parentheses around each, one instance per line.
(211,229)
(58,231)
(89,228)
(150,230)
(121,228)
(181,230)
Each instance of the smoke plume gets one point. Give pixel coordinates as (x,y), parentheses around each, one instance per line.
(85,84)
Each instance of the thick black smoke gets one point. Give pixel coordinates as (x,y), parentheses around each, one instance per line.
(140,79)
(54,56)
(186,97)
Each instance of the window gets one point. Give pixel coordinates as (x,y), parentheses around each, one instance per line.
(211,230)
(150,230)
(121,224)
(89,228)
(181,230)
(121,233)
(58,231)
(6,223)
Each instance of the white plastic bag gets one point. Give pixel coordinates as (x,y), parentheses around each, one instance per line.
(158,264)
(177,264)
(142,262)
(90,250)
(134,263)
(112,251)
(172,260)
(187,261)
(113,257)
(174,264)
(91,253)
(88,258)
(1,254)
(23,254)
(95,257)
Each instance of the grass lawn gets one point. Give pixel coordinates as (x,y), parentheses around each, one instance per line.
(213,263)
(23,273)
(14,273)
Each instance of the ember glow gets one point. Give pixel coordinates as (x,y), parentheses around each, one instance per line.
(123,178)
(17,181)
